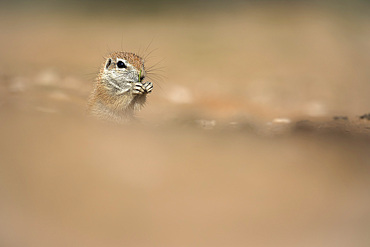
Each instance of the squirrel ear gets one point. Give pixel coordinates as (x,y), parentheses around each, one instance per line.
(109,61)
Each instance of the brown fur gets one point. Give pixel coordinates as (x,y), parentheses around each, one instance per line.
(132,58)
(105,103)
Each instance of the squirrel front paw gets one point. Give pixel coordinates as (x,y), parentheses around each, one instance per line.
(148,86)
(140,88)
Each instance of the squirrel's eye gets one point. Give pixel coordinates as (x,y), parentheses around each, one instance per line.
(121,65)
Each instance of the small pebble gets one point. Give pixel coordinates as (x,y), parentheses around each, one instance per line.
(281,120)
(18,85)
(340,118)
(48,78)
(365,116)
(180,95)
(206,124)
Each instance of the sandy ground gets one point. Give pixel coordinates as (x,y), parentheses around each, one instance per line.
(251,137)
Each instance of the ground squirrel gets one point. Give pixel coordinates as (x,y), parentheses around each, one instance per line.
(119,89)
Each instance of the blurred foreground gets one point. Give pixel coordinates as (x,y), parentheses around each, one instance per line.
(238,145)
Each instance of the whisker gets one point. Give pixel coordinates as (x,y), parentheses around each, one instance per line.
(161,69)
(154,72)
(147,55)
(151,41)
(109,50)
(154,65)
(139,52)
(157,77)
(156,82)
(122,41)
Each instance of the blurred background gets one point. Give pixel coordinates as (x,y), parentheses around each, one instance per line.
(253,134)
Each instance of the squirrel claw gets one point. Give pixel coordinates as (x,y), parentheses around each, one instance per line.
(148,86)
(140,88)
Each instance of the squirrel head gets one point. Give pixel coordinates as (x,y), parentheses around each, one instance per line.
(121,69)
